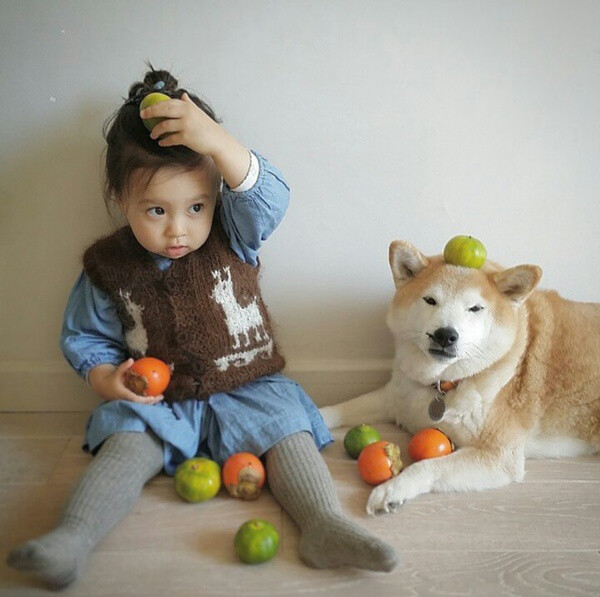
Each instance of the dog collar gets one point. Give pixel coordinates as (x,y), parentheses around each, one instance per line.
(437,407)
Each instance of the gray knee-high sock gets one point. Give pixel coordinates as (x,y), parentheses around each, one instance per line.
(300,481)
(104,494)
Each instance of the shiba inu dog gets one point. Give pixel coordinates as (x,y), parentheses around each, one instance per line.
(504,370)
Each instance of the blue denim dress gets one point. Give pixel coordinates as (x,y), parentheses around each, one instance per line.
(252,418)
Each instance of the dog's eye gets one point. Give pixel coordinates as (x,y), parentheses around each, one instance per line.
(430,300)
(476,308)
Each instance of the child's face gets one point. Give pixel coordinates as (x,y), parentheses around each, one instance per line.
(172,215)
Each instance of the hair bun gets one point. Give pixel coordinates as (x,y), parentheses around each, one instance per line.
(151,78)
(154,76)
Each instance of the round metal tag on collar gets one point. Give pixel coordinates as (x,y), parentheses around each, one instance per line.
(437,408)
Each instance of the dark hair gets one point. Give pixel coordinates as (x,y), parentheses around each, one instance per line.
(129,146)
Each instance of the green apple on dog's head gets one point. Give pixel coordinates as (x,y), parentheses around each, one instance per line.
(465,251)
(150,100)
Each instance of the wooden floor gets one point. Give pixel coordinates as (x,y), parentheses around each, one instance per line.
(540,537)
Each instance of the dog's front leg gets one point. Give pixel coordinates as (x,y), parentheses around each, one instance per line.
(468,469)
(374,407)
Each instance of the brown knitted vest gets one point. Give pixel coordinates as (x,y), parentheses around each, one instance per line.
(204,314)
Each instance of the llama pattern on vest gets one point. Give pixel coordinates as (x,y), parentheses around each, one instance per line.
(244,323)
(136,337)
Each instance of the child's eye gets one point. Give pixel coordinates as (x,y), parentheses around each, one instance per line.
(430,300)
(196,208)
(156,211)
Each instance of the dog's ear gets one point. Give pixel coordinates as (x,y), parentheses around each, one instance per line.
(517,283)
(406,261)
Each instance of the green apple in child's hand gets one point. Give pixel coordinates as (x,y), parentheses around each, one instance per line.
(465,251)
(150,100)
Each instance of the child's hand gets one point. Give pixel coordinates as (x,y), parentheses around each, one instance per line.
(186,124)
(109,382)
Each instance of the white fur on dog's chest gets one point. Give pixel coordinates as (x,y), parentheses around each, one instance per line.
(466,411)
(463,418)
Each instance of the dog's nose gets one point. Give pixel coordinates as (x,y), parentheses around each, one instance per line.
(445,337)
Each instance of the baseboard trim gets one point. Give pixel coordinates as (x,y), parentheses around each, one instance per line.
(46,386)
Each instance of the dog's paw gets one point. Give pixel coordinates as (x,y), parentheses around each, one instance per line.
(412,481)
(387,498)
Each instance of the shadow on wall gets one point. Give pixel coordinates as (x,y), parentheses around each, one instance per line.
(51,208)
(343,327)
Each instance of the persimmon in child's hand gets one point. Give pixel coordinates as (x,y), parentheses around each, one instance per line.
(147,377)
(108,381)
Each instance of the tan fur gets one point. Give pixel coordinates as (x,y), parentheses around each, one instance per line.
(531,385)
(558,383)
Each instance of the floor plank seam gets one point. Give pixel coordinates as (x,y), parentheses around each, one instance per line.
(57,463)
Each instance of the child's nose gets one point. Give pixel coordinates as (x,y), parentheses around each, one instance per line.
(176,228)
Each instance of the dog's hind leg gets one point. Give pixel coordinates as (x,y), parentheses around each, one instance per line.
(374,407)
(467,469)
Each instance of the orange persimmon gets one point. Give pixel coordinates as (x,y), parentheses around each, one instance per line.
(379,462)
(148,376)
(429,443)
(244,476)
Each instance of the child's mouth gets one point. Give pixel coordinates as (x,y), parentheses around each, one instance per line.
(176,251)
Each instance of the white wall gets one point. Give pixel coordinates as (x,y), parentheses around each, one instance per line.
(415,120)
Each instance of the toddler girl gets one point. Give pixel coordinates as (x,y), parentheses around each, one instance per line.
(180,282)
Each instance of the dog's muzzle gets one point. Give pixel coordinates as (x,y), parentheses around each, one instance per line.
(443,343)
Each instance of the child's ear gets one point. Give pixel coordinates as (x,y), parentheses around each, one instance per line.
(406,261)
(122,205)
